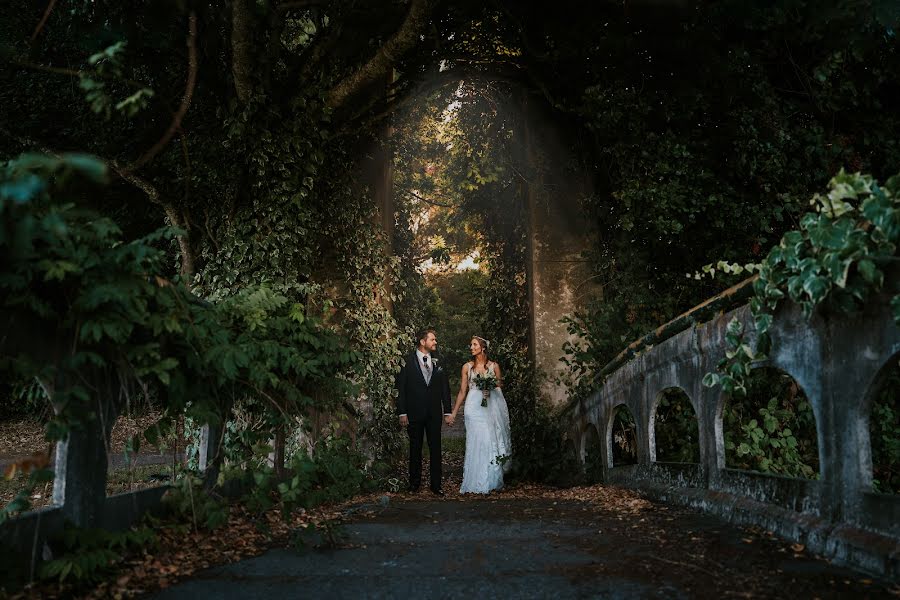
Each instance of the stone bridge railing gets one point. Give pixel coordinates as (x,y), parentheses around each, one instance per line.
(839,362)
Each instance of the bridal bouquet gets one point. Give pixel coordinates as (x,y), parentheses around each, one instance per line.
(485,382)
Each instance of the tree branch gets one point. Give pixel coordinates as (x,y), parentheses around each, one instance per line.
(190,84)
(184,243)
(43,21)
(427,201)
(400,98)
(187,265)
(73,72)
(379,66)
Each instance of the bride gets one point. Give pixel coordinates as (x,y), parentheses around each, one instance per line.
(487,427)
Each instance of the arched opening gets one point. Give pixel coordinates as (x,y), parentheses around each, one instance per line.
(570,465)
(622,437)
(772,429)
(465,184)
(884,429)
(593,458)
(675,432)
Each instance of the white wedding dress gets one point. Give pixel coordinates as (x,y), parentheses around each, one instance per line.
(487,438)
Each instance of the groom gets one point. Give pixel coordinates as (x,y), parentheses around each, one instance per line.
(424,397)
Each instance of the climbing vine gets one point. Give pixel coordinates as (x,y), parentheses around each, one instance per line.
(835,260)
(684,171)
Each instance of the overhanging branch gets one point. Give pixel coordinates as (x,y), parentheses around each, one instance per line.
(379,66)
(427,201)
(144,185)
(189,86)
(43,21)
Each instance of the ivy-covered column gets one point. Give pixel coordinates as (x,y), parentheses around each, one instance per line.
(709,341)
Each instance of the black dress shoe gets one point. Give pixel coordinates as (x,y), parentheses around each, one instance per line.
(437,492)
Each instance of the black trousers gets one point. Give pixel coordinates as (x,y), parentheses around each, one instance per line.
(417,430)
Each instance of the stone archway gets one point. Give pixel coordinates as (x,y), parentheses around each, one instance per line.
(558,278)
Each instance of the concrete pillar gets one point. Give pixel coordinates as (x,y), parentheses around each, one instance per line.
(641,401)
(211,438)
(857,347)
(79,485)
(559,279)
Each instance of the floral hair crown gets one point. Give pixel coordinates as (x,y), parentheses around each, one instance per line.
(483,341)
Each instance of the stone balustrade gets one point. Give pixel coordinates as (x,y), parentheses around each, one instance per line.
(838,361)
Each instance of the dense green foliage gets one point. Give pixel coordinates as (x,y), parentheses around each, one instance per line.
(710,131)
(113,326)
(884,433)
(260,180)
(771,428)
(835,261)
(675,428)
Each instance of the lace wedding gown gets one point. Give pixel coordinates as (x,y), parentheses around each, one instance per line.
(487,437)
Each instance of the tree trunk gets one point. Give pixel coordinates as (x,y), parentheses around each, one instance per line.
(242,20)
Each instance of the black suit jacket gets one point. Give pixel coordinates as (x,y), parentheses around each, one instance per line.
(418,400)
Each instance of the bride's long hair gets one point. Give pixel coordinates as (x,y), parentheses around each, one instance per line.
(484,345)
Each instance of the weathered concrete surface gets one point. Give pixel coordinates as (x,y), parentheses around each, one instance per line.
(559,278)
(533,548)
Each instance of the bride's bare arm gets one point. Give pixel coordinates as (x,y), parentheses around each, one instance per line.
(498,375)
(463,388)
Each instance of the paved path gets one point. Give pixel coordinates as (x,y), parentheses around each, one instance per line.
(507,547)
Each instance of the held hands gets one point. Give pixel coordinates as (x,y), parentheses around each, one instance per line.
(404,420)
(450,419)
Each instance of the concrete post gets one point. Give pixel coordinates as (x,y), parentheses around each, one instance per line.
(80,469)
(211,438)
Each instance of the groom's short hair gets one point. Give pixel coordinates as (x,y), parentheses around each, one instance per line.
(423,334)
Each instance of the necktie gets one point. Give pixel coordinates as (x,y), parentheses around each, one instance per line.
(427,367)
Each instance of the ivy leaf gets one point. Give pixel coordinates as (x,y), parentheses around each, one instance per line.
(837,268)
(871,273)
(763,322)
(895,308)
(712,379)
(23,189)
(817,287)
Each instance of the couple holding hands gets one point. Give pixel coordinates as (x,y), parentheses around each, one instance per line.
(423,401)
